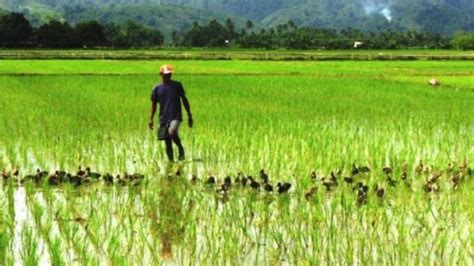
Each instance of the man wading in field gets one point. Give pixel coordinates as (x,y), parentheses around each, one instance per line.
(169,95)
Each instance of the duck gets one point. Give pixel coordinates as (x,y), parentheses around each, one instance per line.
(5,174)
(456,179)
(228,182)
(349,179)
(108,179)
(379,191)
(419,169)
(387,170)
(92,174)
(355,170)
(362,195)
(244,181)
(364,169)
(391,182)
(253,184)
(310,193)
(238,177)
(53,179)
(264,176)
(283,188)
(211,180)
(313,176)
(80,172)
(268,187)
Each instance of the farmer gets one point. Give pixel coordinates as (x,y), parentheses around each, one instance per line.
(169,95)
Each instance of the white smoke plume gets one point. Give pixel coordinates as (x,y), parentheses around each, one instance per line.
(381,7)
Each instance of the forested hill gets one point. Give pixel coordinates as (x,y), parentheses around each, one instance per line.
(440,16)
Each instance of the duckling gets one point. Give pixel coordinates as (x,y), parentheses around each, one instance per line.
(313,176)
(194,179)
(379,191)
(254,184)
(264,176)
(310,193)
(355,170)
(76,180)
(108,179)
(430,187)
(178,172)
(16,172)
(5,175)
(224,188)
(61,175)
(404,175)
(268,187)
(358,186)
(137,176)
(244,181)
(92,174)
(349,179)
(238,177)
(282,188)
(387,170)
(456,179)
(435,176)
(228,182)
(53,179)
(328,184)
(364,169)
(121,180)
(211,180)
(391,182)
(450,168)
(419,169)
(333,177)
(362,195)
(80,172)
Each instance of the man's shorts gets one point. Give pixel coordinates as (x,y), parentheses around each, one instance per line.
(166,130)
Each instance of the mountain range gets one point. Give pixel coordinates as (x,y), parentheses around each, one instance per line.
(438,16)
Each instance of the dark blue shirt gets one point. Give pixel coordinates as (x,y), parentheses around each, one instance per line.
(168,95)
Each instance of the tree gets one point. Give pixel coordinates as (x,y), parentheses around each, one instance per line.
(137,35)
(464,41)
(230,28)
(55,34)
(15,30)
(90,33)
(249,24)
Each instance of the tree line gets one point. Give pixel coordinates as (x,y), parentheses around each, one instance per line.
(17,31)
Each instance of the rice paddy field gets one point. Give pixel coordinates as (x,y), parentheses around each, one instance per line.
(379,162)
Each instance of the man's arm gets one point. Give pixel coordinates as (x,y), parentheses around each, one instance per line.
(188,110)
(187,106)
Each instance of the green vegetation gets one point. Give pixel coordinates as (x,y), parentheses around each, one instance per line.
(17,31)
(437,16)
(289,118)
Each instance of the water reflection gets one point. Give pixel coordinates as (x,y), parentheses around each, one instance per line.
(170,216)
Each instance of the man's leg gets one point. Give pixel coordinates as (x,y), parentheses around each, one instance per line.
(177,141)
(169,149)
(173,132)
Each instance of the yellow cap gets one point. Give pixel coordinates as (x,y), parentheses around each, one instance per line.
(166,69)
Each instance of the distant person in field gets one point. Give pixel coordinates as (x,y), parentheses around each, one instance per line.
(169,95)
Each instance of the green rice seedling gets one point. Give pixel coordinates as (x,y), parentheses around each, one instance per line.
(323,117)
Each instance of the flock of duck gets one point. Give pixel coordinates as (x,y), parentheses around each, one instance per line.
(356,179)
(82,176)
(429,177)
